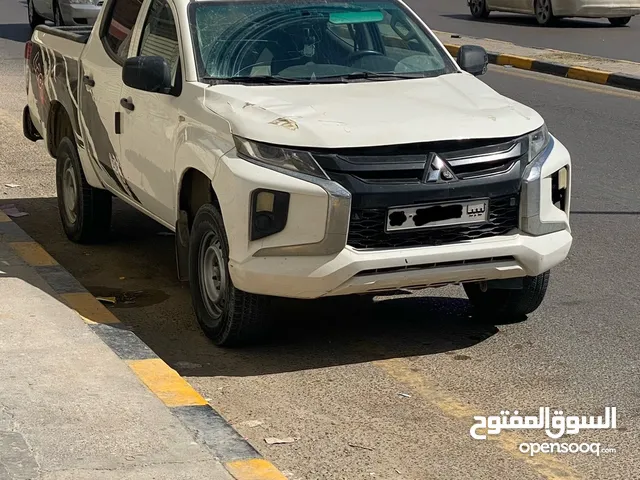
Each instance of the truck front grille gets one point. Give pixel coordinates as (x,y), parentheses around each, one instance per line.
(367,228)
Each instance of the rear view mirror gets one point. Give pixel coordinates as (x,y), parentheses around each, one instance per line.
(149,73)
(473,59)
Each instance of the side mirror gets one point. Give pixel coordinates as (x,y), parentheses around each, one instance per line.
(473,59)
(149,73)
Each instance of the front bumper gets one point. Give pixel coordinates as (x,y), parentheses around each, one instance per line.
(311,258)
(79,13)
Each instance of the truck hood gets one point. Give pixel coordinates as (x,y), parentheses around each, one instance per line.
(450,107)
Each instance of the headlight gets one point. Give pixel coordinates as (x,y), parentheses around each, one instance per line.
(279,157)
(538,141)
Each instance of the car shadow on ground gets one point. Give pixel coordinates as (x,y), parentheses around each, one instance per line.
(17,32)
(530,21)
(305,335)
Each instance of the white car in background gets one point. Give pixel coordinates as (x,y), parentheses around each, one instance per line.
(63,12)
(547,11)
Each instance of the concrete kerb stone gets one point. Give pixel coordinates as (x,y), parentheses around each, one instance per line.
(208,427)
(623,80)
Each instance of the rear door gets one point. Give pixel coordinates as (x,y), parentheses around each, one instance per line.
(100,89)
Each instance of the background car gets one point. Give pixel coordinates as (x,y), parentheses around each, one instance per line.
(63,12)
(547,11)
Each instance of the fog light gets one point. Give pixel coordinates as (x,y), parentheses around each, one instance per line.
(559,185)
(269,212)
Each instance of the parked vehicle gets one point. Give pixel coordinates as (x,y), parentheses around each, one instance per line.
(300,149)
(63,12)
(548,11)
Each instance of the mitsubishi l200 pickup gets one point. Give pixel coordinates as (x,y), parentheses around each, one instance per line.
(300,149)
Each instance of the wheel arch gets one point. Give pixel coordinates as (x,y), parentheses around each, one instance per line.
(59,125)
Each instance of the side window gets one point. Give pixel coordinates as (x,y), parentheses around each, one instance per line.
(119,26)
(160,36)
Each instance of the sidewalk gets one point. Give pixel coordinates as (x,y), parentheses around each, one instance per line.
(605,71)
(71,408)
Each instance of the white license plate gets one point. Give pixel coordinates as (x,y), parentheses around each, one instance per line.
(437,215)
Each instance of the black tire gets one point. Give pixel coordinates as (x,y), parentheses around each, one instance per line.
(479,9)
(35,18)
(619,21)
(504,304)
(228,316)
(58,21)
(544,13)
(89,219)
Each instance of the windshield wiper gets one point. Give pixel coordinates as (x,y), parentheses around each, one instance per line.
(264,79)
(346,77)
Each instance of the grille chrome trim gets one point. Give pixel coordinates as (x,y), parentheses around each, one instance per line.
(470,157)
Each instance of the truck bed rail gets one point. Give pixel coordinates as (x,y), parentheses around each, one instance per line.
(75,34)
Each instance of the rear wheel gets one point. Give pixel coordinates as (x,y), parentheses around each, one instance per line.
(507,303)
(85,211)
(228,316)
(544,12)
(34,18)
(479,9)
(619,21)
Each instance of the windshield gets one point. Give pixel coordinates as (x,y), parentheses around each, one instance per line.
(312,41)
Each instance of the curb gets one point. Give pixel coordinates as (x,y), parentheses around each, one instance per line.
(207,426)
(601,77)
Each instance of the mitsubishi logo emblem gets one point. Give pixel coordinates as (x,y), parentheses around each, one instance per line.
(438,170)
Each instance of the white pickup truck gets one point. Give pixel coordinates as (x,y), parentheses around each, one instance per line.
(300,149)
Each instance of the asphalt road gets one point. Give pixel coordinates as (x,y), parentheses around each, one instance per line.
(587,36)
(390,391)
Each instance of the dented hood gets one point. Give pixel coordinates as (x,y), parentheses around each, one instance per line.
(449,107)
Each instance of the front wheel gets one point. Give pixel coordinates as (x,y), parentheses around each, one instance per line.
(619,21)
(544,13)
(85,211)
(479,9)
(58,21)
(228,316)
(35,18)
(507,303)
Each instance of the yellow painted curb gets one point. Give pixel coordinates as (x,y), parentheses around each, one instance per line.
(518,62)
(166,383)
(4,217)
(33,254)
(90,309)
(254,469)
(589,75)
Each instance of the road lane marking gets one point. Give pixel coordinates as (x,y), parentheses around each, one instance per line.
(402,371)
(166,383)
(33,254)
(4,217)
(569,83)
(254,469)
(90,309)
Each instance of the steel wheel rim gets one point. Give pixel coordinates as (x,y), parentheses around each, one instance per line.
(212,275)
(477,6)
(70,192)
(543,10)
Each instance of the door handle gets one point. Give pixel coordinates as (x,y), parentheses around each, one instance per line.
(88,81)
(126,104)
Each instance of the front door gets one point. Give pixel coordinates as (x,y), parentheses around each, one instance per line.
(100,92)
(150,124)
